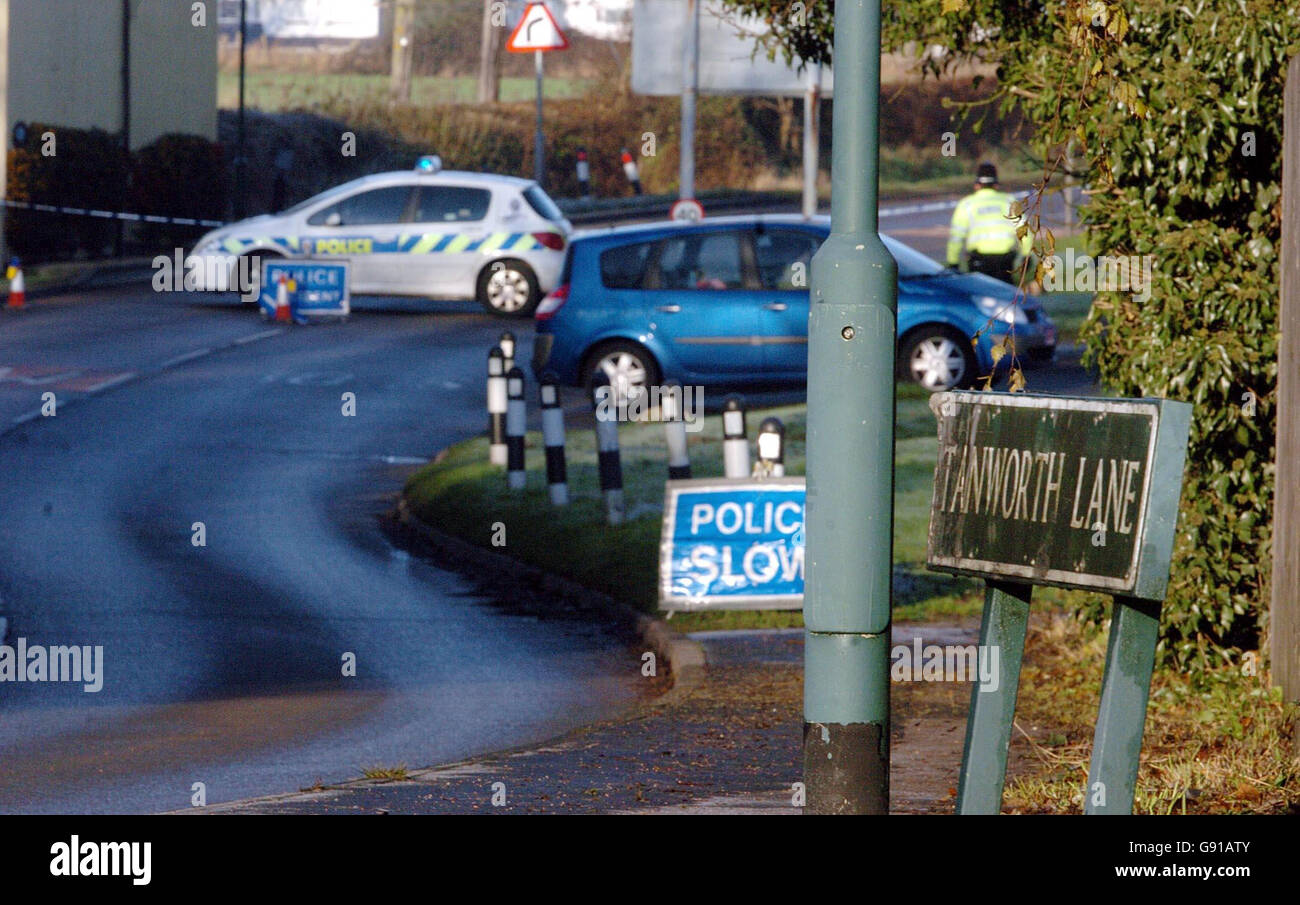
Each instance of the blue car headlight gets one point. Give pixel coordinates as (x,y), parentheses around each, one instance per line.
(1007,311)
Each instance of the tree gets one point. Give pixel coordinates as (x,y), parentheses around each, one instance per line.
(489,66)
(1173,111)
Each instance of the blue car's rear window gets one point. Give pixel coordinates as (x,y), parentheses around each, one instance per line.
(624,267)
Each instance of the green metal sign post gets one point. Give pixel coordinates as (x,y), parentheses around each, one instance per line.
(850,465)
(1076,493)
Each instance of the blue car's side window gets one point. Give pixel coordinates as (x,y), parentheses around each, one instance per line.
(701,261)
(783,257)
(624,267)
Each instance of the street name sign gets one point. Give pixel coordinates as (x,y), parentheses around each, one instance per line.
(1068,491)
(322,287)
(1073,492)
(731,544)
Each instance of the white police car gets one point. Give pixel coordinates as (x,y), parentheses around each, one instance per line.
(427,232)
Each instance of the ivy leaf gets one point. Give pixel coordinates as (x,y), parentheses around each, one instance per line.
(954,6)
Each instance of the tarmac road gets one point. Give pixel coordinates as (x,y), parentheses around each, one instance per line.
(223,663)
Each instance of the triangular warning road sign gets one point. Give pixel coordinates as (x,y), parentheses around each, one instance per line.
(537,30)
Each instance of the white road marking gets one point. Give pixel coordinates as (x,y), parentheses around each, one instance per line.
(244,340)
(181,359)
(111,382)
(403,460)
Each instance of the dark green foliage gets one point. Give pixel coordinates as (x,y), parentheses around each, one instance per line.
(84,168)
(1163,102)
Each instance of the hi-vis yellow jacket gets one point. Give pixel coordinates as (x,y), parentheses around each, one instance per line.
(980,224)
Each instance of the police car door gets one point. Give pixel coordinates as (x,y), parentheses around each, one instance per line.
(447,240)
(364,228)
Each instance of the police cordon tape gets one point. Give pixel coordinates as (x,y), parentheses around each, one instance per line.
(109,215)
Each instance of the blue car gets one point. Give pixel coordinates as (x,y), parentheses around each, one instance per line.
(725,302)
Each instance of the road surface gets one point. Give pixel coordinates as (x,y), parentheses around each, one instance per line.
(223,663)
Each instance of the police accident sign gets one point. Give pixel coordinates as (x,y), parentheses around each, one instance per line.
(732,545)
(320,287)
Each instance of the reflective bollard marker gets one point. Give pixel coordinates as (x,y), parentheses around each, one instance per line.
(553,439)
(496,406)
(735,445)
(670,409)
(611,466)
(771,448)
(516,425)
(507,345)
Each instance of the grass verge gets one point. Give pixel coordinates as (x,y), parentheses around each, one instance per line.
(463,495)
(1217,744)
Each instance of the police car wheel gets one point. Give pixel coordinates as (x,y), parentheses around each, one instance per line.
(509,288)
(938,358)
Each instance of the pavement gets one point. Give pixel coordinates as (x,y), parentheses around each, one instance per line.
(728,741)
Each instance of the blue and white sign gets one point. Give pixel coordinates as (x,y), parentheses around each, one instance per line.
(732,545)
(321,288)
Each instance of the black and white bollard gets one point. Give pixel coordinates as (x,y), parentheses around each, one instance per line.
(735,445)
(496,406)
(611,466)
(516,426)
(771,448)
(584,174)
(507,345)
(631,172)
(670,409)
(553,438)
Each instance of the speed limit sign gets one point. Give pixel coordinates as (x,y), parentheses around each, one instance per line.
(686,209)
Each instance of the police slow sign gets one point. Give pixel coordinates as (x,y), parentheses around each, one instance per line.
(730,544)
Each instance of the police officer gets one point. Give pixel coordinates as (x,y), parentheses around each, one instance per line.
(982,229)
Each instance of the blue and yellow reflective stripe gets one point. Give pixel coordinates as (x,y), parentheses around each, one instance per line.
(407,243)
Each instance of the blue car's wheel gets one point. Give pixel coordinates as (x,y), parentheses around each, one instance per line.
(626,364)
(938,358)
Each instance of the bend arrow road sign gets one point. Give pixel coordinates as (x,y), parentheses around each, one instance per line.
(537,30)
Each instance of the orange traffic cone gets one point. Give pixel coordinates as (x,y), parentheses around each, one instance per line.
(282,313)
(17,290)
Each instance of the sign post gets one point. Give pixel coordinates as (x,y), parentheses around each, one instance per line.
(1071,492)
(851,337)
(537,32)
